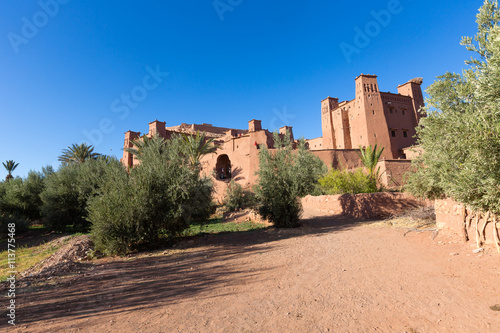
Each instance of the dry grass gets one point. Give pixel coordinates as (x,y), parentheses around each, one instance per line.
(26,257)
(419,218)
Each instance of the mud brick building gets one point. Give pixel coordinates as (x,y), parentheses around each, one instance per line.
(373,117)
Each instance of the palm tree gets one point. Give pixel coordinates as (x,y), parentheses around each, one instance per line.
(370,157)
(78,154)
(193,147)
(156,143)
(10,166)
(196,146)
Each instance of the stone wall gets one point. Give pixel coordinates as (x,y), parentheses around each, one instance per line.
(372,205)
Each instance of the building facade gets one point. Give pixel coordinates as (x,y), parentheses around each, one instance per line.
(373,117)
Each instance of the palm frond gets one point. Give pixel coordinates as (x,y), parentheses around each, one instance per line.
(10,166)
(370,157)
(78,154)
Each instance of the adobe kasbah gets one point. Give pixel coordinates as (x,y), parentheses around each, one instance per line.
(372,117)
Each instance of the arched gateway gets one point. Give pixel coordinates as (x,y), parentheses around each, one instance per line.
(223,167)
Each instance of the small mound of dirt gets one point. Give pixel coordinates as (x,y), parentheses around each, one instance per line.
(65,260)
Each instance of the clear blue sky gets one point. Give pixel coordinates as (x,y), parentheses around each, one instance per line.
(67,70)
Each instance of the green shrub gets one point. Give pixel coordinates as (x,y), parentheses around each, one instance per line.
(21,197)
(459,135)
(343,181)
(10,194)
(67,191)
(237,198)
(201,196)
(278,188)
(61,204)
(115,214)
(21,223)
(308,168)
(153,204)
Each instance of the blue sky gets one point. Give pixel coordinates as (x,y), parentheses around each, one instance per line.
(87,71)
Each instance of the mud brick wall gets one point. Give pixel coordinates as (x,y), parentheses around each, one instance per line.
(372,205)
(450,219)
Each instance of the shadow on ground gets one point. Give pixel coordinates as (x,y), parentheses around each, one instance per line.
(202,265)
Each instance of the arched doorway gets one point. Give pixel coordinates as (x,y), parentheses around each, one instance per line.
(223,167)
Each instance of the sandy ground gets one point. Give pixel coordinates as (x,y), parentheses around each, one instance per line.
(332,275)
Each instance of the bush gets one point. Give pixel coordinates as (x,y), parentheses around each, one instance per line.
(343,181)
(21,223)
(459,135)
(21,197)
(201,196)
(61,204)
(153,204)
(308,168)
(33,186)
(67,191)
(10,193)
(278,188)
(237,198)
(115,214)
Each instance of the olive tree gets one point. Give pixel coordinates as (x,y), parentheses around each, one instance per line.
(460,134)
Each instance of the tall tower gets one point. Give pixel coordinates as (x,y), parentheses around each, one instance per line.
(157,128)
(327,106)
(368,121)
(130,136)
(413,89)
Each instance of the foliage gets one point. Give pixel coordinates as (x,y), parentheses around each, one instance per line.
(67,191)
(308,169)
(21,197)
(195,146)
(344,181)
(460,136)
(78,154)
(10,166)
(237,198)
(279,183)
(115,214)
(156,202)
(143,143)
(22,224)
(370,157)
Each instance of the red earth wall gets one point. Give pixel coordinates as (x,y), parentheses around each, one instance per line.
(365,205)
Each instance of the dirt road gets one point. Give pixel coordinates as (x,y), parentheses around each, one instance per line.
(332,275)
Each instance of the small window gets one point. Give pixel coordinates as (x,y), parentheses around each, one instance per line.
(403,111)
(393,133)
(373,111)
(405,134)
(375,135)
(391,110)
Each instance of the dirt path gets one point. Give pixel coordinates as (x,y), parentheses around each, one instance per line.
(332,275)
